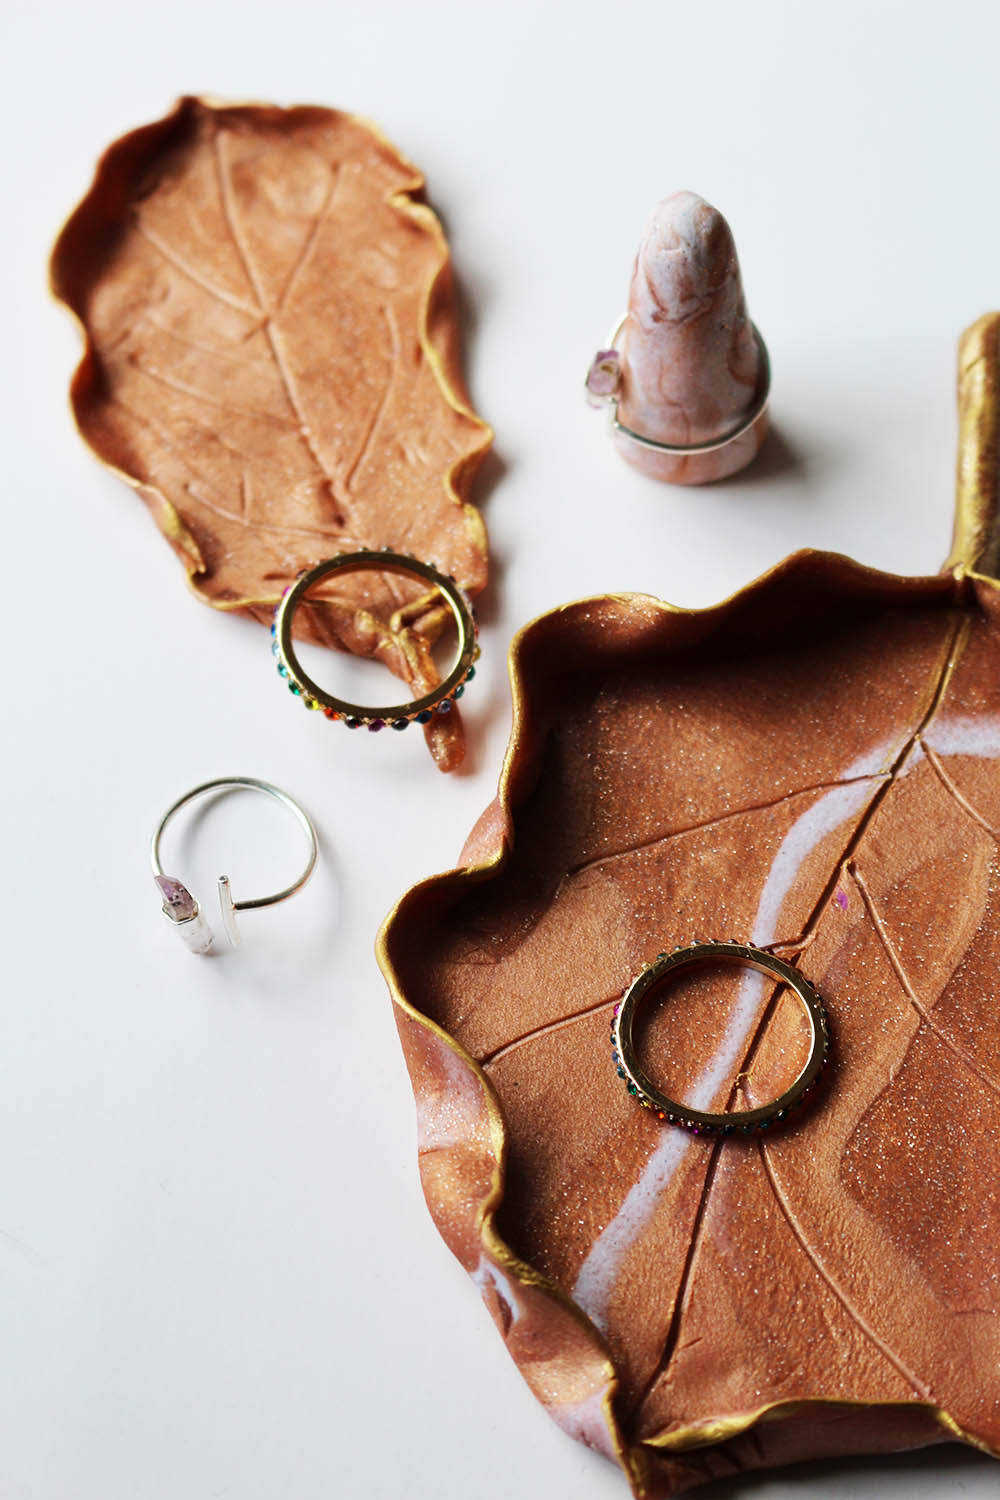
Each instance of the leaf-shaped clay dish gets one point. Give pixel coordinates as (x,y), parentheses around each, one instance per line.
(811,766)
(272,363)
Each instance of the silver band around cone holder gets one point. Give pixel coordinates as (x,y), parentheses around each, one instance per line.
(690,449)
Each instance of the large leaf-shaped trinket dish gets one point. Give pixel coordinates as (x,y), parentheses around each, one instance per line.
(813,767)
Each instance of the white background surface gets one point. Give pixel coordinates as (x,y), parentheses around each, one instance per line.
(217,1275)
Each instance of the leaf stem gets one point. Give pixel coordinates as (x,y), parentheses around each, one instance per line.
(976,542)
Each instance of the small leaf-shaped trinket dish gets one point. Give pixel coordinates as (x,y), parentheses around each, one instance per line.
(272,364)
(811,767)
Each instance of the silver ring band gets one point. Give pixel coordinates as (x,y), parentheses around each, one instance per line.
(181,908)
(689,449)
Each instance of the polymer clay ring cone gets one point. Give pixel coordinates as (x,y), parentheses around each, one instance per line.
(687,375)
(705,1122)
(359,715)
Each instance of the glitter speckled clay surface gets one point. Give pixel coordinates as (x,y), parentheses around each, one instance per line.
(811,766)
(272,363)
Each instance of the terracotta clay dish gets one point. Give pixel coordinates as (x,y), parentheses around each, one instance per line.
(811,766)
(272,363)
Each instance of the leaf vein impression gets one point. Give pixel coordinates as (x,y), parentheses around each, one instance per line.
(816,1260)
(185,389)
(288,383)
(191,273)
(550,1026)
(200,482)
(737,812)
(795,945)
(368,440)
(921,1009)
(953,791)
(167,442)
(590,864)
(311,239)
(195,345)
(340,537)
(956,644)
(684,1286)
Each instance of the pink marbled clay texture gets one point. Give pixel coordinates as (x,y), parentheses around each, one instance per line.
(691,368)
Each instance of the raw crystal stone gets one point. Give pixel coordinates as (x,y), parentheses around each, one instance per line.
(604,376)
(178,902)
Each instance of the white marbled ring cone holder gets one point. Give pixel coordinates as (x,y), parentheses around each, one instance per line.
(180,907)
(686,376)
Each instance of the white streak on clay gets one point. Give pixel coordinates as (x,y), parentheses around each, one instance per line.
(912,760)
(959,735)
(451,1114)
(964,735)
(490,1279)
(820,820)
(586,1421)
(598,1275)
